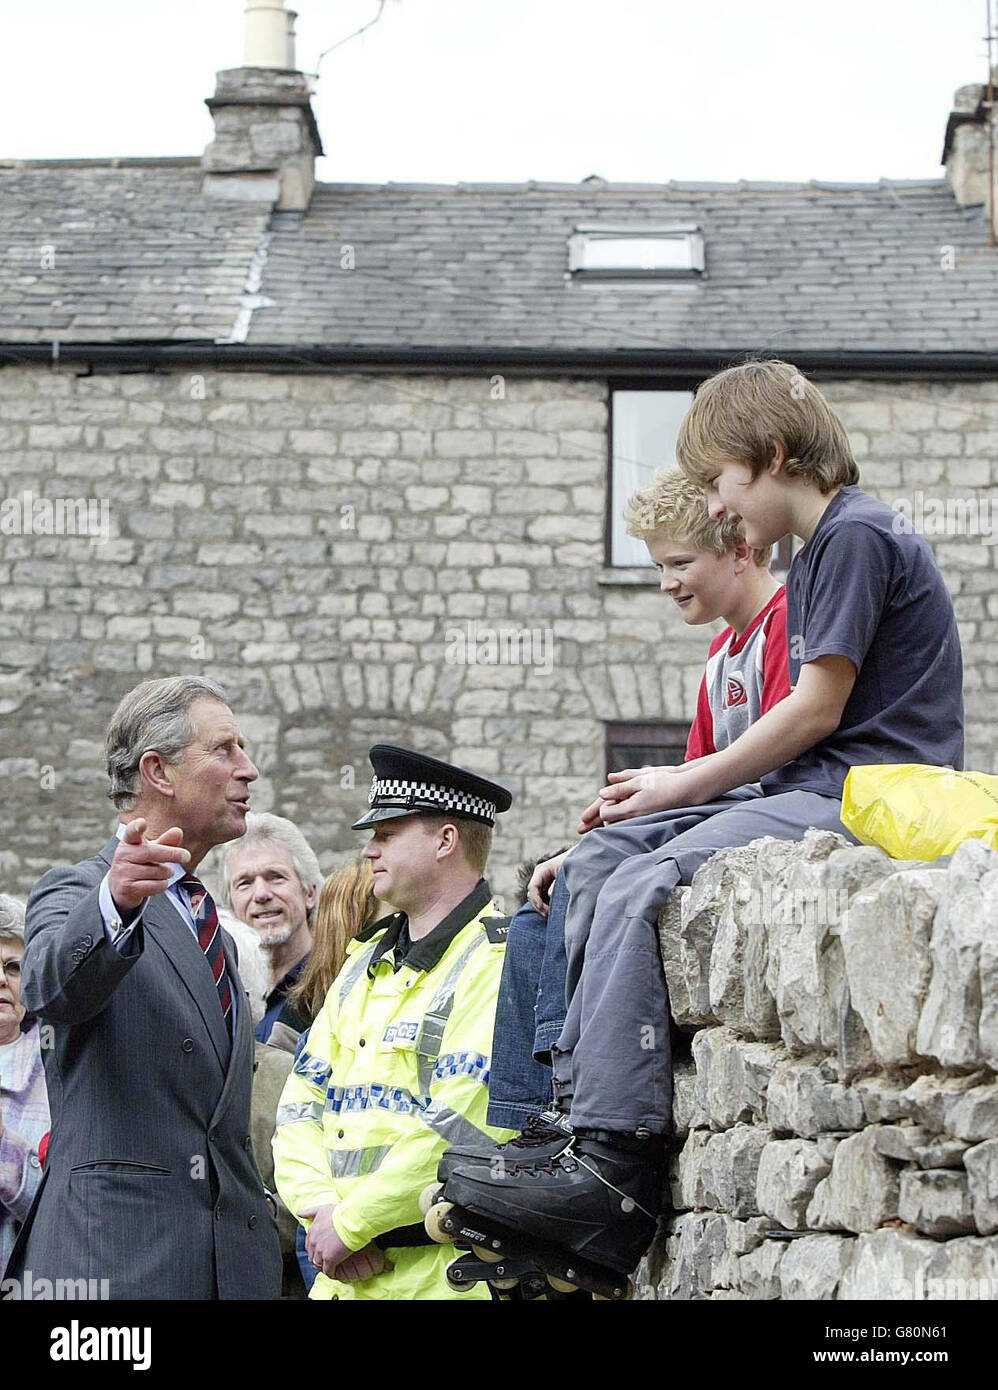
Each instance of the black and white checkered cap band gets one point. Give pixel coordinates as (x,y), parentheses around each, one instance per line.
(425,795)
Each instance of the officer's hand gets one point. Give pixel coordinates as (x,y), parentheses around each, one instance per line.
(365,1264)
(141,867)
(322,1243)
(541,881)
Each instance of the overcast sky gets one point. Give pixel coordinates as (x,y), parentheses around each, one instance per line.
(450,90)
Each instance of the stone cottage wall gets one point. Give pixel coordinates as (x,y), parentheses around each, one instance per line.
(836,1119)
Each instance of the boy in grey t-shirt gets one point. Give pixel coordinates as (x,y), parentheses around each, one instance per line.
(876,673)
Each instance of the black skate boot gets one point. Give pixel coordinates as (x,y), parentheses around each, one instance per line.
(543,1136)
(584,1215)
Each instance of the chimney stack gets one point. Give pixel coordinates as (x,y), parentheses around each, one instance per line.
(266,139)
(965,151)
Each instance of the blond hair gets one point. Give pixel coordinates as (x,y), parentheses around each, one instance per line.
(674,506)
(743,412)
(474,835)
(346,906)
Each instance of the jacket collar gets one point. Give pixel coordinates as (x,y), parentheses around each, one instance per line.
(428,951)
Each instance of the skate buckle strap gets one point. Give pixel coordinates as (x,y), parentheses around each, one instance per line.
(625,1196)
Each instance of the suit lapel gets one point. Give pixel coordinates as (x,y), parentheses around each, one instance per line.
(178,943)
(239,1062)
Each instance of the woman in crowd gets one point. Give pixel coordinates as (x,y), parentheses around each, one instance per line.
(24,1108)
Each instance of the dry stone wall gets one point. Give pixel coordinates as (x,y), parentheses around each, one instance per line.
(836,1120)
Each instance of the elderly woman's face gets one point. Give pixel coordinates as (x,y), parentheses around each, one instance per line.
(11,1008)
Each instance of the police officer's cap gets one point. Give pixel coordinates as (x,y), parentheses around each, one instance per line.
(406,783)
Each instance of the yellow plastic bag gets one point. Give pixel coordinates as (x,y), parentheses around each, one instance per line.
(918,812)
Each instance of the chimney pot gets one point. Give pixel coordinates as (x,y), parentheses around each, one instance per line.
(269,35)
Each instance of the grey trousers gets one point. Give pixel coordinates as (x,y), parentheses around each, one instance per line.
(613,1062)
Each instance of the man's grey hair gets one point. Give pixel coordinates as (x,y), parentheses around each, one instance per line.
(155,715)
(264,828)
(11,918)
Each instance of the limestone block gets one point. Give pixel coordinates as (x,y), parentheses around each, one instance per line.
(687,1113)
(931,1100)
(712,888)
(950,1022)
(775,860)
(811,990)
(885,939)
(806,1099)
(861,1191)
(670,946)
(789,1172)
(975,1115)
(704,1045)
(914,1144)
(738,1079)
(726,976)
(686,1188)
(936,1202)
(982,1177)
(887,1266)
(759,1271)
(988,1033)
(729,1168)
(882,1100)
(965,1268)
(715,1247)
(813,1266)
(679,1275)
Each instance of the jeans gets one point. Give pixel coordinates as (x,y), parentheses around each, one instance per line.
(530,1013)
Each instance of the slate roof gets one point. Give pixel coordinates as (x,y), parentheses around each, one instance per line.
(138,252)
(142,254)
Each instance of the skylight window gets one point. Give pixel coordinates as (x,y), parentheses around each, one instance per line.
(636,253)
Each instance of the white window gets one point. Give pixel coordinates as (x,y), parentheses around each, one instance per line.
(636,253)
(645,427)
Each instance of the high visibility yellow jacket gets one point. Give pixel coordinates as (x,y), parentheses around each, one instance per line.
(394,1070)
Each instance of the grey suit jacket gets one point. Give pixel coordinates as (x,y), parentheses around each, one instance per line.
(150,1180)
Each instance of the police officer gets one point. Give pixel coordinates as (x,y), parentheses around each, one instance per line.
(395,1067)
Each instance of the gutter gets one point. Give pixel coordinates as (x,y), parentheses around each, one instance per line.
(629,364)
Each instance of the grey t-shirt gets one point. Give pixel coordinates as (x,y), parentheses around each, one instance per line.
(859,589)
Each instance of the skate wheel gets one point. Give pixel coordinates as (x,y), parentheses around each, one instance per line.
(458,1283)
(504,1285)
(432,1221)
(561,1285)
(493,1257)
(429,1197)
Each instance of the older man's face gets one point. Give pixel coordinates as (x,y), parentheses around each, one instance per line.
(267,893)
(212,778)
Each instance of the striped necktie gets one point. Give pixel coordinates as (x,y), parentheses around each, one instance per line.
(210,940)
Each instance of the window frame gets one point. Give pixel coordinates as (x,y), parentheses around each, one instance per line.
(689,233)
(784,550)
(642,731)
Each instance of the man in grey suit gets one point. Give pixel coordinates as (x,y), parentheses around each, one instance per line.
(150,1181)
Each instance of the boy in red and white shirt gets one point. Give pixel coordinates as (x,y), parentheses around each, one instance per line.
(710,573)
